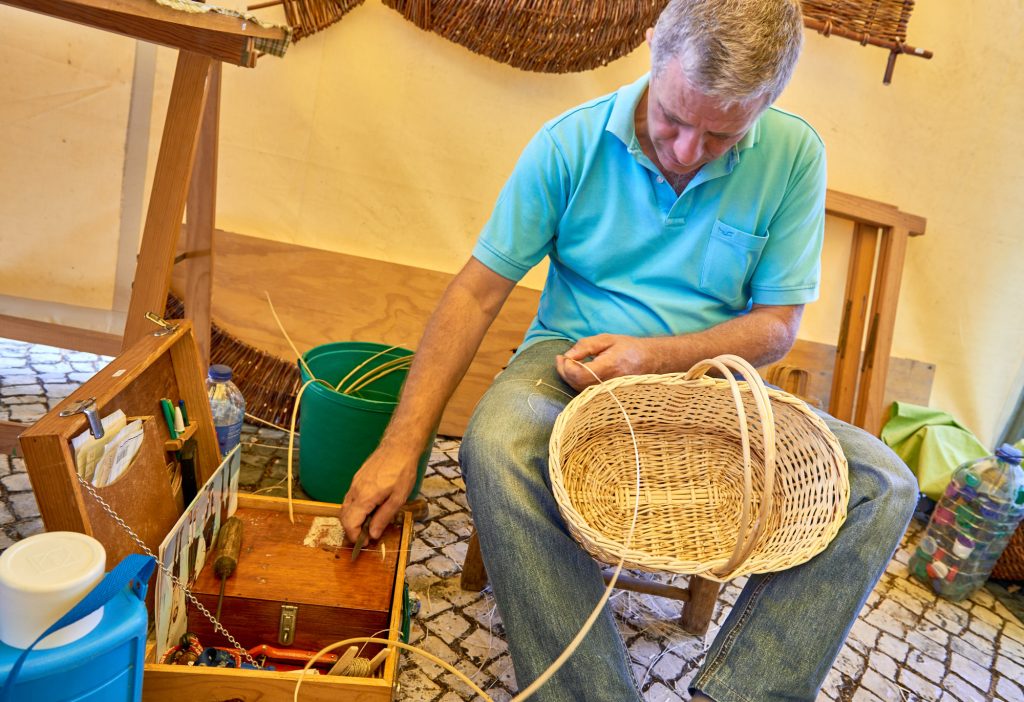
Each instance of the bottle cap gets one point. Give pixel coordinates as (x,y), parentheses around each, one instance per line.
(220,373)
(41,579)
(1010,454)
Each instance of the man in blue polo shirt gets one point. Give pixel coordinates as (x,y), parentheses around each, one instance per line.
(682,217)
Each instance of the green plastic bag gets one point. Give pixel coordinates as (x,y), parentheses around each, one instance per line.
(931,443)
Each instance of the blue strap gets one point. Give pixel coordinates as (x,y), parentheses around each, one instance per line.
(133,572)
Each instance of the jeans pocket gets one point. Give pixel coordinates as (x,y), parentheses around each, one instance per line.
(729,263)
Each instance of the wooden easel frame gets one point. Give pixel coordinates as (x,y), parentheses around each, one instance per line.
(203,41)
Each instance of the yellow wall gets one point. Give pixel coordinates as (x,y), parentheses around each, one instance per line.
(377,139)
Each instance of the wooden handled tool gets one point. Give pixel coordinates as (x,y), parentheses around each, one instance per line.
(229,547)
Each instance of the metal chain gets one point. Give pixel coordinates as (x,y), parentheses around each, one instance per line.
(217,626)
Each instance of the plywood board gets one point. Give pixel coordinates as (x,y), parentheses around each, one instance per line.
(323,296)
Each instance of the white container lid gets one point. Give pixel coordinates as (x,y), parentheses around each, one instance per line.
(41,579)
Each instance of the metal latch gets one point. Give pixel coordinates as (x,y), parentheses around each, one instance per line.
(88,408)
(286,630)
(165,326)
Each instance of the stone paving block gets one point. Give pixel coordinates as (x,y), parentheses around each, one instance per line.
(11,391)
(1009,691)
(923,688)
(6,516)
(926,666)
(882,664)
(961,689)
(1011,649)
(893,647)
(1013,631)
(970,671)
(17,482)
(24,505)
(483,645)
(27,413)
(28,527)
(927,645)
(882,686)
(863,695)
(974,647)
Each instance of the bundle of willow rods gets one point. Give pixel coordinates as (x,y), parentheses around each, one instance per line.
(552,36)
(268,383)
(307,17)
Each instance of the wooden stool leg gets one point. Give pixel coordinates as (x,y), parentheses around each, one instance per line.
(474,575)
(696,617)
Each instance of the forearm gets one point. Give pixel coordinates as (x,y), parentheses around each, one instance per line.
(762,336)
(449,343)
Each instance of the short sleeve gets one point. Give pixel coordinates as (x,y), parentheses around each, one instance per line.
(790,269)
(524,222)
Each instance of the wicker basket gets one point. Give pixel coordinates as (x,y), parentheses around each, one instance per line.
(1010,565)
(734,478)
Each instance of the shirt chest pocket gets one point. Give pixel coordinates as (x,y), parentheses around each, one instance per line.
(729,263)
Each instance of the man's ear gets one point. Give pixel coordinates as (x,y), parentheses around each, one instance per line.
(648,34)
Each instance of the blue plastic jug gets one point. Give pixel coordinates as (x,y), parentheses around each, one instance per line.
(103,666)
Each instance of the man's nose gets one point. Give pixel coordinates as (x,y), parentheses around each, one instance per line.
(688,147)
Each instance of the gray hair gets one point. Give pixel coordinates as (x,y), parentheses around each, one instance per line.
(734,50)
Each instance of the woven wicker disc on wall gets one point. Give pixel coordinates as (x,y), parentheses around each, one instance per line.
(552,36)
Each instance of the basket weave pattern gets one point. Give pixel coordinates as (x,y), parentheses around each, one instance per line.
(553,36)
(882,19)
(691,501)
(1010,565)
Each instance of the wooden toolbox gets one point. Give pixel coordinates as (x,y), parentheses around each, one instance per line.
(283,567)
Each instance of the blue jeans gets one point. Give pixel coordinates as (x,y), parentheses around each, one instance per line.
(784,631)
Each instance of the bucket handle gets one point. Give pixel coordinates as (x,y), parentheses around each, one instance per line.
(748,532)
(133,571)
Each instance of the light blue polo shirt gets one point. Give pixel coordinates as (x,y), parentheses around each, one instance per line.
(630,257)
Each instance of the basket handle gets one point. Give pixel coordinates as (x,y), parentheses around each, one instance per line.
(749,532)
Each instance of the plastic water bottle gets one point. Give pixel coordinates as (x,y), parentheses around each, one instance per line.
(227,405)
(971,524)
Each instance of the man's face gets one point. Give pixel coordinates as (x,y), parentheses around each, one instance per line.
(687,128)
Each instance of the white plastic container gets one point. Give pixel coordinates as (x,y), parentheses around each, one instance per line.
(41,578)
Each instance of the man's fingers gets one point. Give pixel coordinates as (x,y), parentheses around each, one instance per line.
(383,516)
(589,346)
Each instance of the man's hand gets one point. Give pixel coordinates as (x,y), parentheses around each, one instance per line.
(384,483)
(612,355)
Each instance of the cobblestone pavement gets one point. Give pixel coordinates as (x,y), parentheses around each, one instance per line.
(906,646)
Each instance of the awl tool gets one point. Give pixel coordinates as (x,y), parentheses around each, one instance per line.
(229,546)
(364,534)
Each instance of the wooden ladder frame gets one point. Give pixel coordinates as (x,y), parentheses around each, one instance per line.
(203,42)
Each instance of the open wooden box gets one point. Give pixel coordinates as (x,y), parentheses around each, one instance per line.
(148,498)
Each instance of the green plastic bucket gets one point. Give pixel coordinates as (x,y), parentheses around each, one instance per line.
(338,431)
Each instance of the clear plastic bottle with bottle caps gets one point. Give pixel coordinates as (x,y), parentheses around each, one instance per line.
(227,406)
(971,524)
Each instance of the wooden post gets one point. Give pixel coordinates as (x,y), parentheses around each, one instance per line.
(167,198)
(697,612)
(474,575)
(870,412)
(200,220)
(851,331)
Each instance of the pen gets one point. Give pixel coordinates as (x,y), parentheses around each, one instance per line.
(184,412)
(165,404)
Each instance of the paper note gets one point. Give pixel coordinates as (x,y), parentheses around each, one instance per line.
(89,450)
